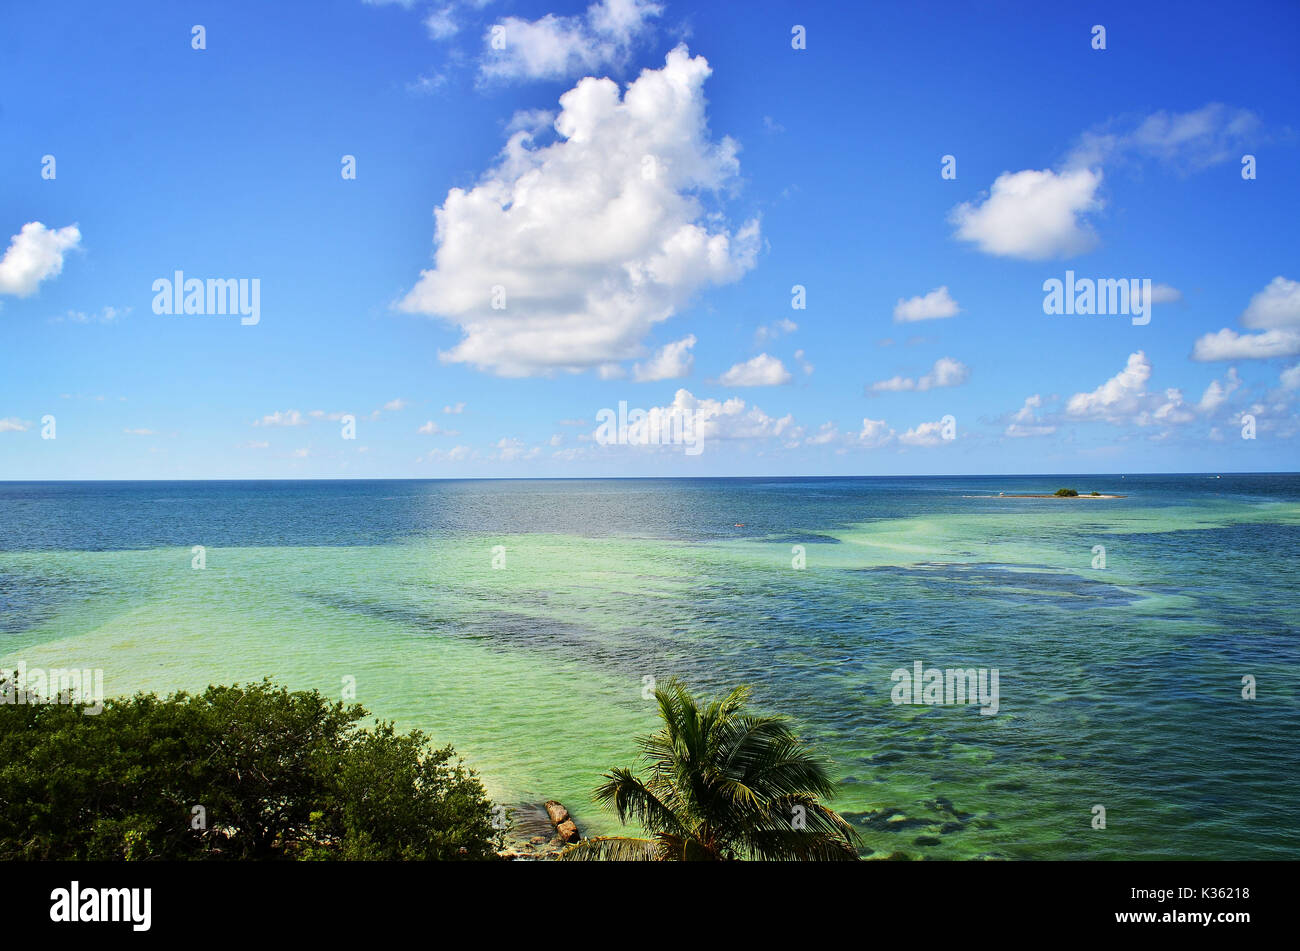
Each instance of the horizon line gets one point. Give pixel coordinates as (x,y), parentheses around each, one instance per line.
(661,478)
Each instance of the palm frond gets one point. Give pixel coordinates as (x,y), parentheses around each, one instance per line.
(610,849)
(716,783)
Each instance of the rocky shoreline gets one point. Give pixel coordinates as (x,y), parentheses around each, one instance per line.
(539,831)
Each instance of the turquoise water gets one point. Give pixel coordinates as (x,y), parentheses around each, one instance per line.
(1119,687)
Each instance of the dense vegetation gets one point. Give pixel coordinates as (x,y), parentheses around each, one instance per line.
(1067,493)
(242,772)
(720,784)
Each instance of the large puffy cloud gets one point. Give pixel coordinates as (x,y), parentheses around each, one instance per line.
(945,372)
(35,254)
(592,239)
(1033,214)
(558,47)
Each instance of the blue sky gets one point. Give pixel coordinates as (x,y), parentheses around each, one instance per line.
(645,234)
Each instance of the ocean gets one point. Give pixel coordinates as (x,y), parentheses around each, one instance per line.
(522,621)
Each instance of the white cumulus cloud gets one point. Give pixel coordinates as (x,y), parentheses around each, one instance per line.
(1119,397)
(559,47)
(1124,399)
(1227,344)
(672,361)
(762,370)
(936,304)
(1033,214)
(1276,311)
(35,254)
(726,419)
(586,243)
(924,434)
(874,433)
(1276,306)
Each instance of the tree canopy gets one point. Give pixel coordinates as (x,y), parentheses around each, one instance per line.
(238,772)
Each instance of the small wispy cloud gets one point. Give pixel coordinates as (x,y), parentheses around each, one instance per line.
(107,315)
(286,418)
(945,372)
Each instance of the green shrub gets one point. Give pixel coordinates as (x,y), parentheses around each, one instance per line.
(278,774)
(1067,493)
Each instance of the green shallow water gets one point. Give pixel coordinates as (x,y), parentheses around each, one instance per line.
(1118,687)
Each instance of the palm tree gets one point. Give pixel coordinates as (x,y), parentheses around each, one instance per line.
(721,784)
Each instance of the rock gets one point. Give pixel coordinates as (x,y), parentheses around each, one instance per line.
(568,830)
(556,811)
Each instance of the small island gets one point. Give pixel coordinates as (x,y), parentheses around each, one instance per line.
(1058,494)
